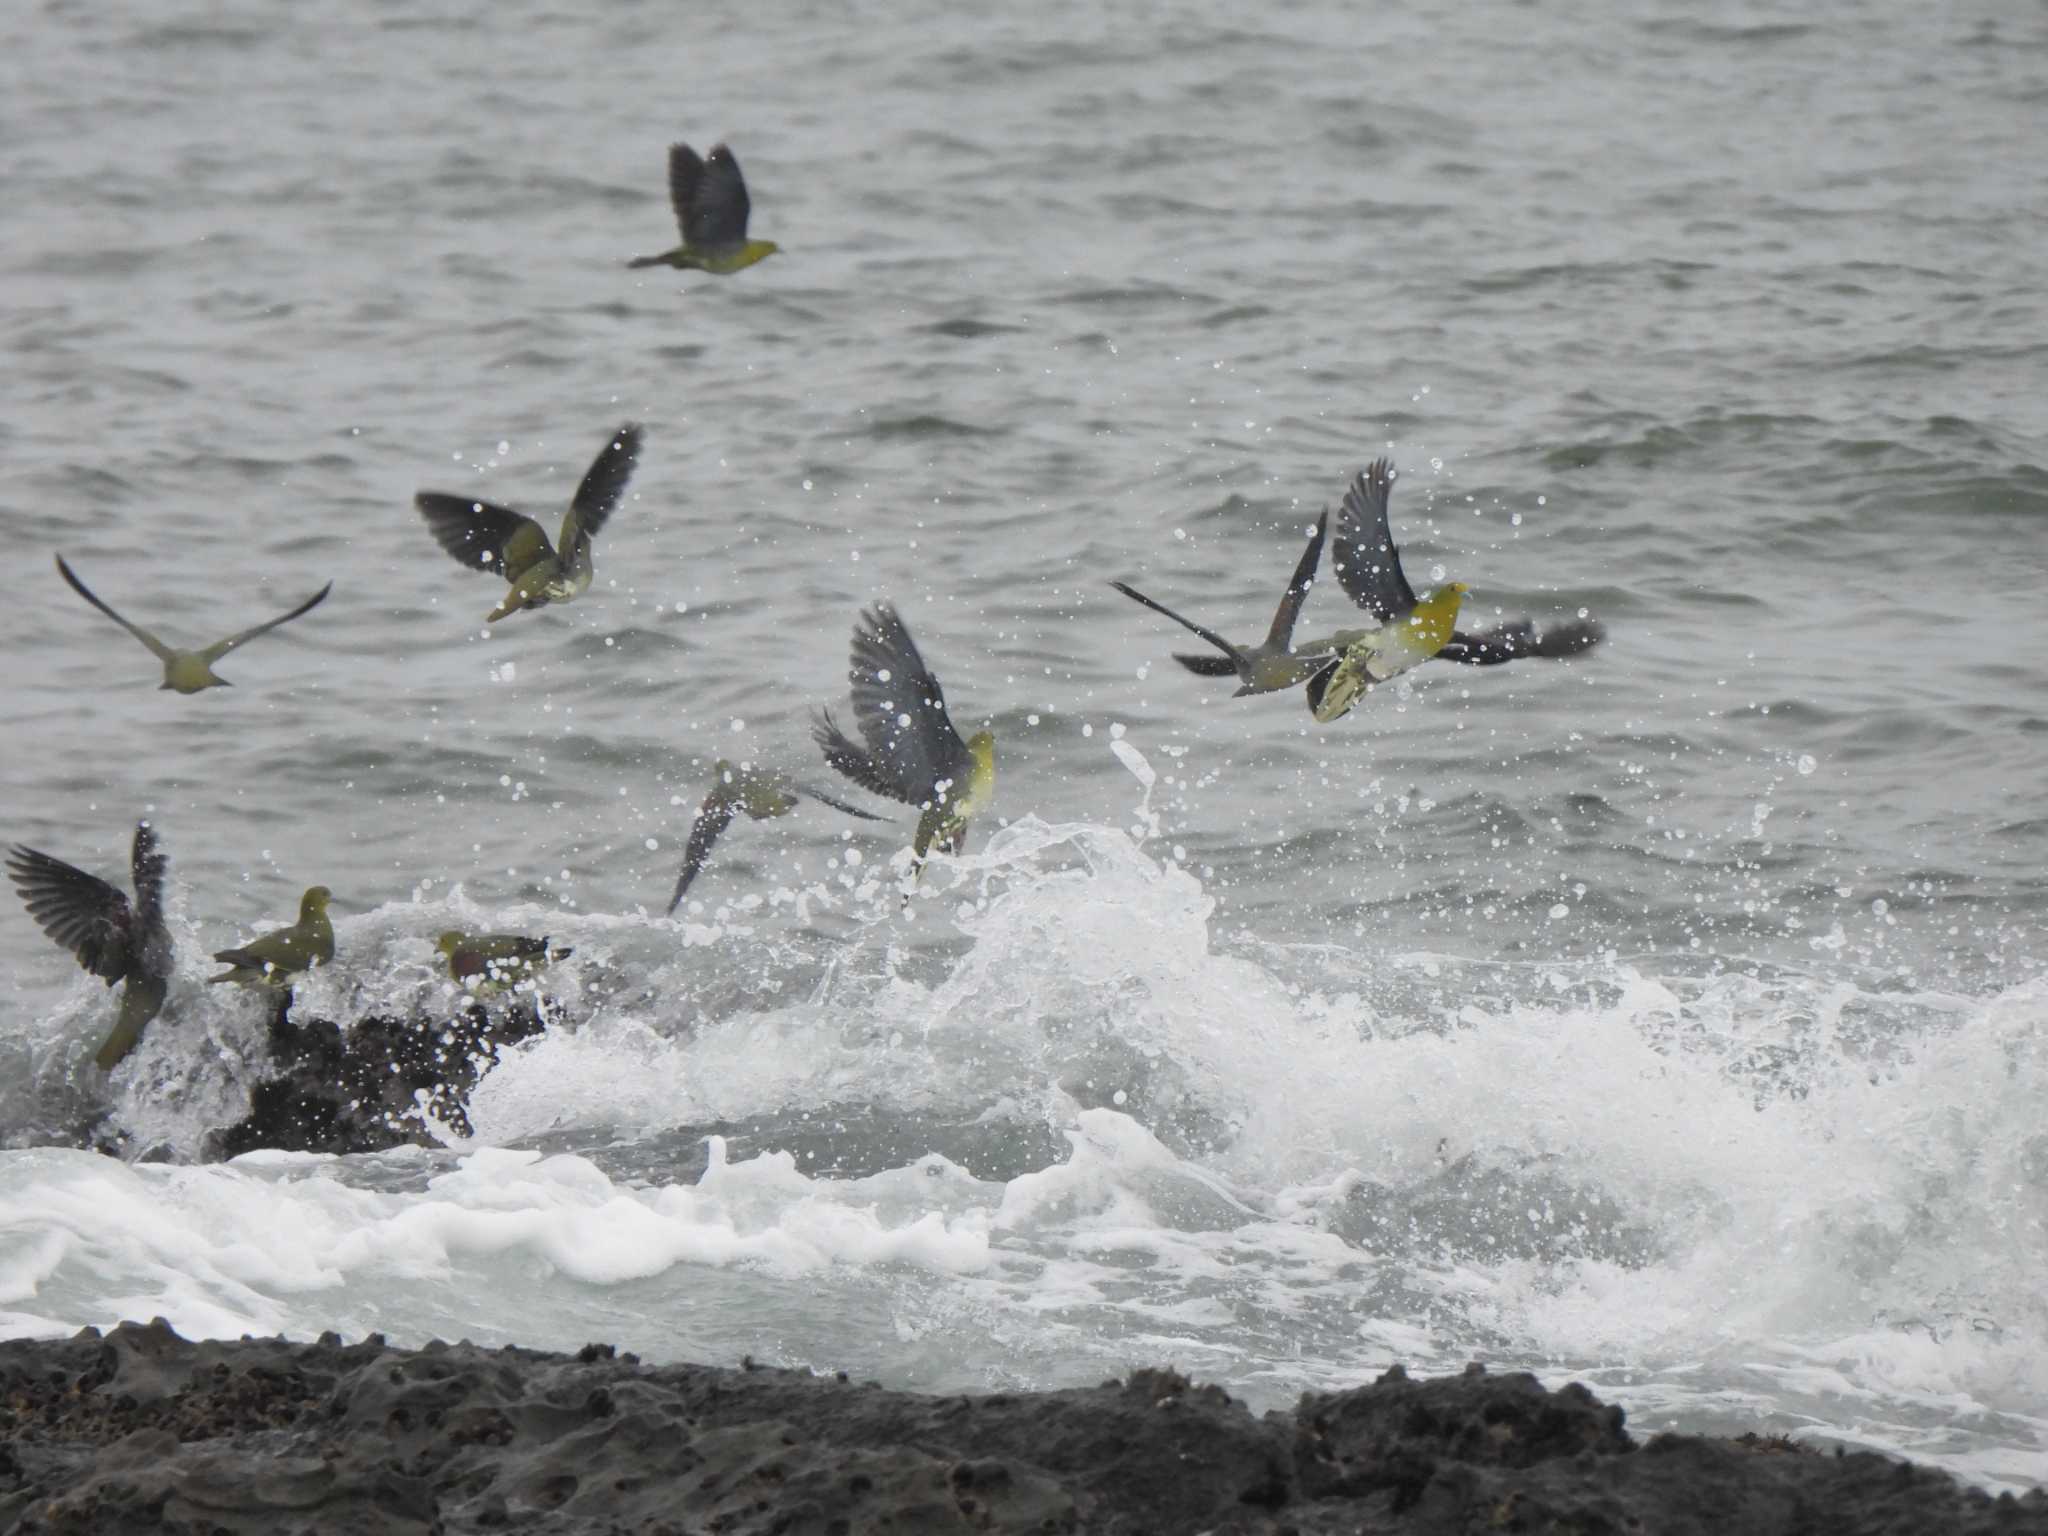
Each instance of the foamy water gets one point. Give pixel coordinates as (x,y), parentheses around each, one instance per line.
(1716,1200)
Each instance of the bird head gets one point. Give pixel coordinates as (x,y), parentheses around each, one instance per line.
(450,941)
(1433,619)
(760,250)
(314,902)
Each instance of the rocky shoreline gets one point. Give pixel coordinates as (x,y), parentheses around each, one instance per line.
(140,1430)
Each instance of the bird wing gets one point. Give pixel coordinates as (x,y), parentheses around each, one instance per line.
(603,484)
(147,866)
(718,205)
(157,648)
(850,758)
(1318,691)
(685,174)
(901,710)
(482,536)
(1207,666)
(220,648)
(1238,660)
(1281,635)
(1517,638)
(1368,564)
(285,949)
(82,912)
(713,817)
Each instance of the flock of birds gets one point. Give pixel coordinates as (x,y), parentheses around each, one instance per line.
(907,748)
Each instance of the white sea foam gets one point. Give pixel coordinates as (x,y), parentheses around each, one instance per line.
(1722,1200)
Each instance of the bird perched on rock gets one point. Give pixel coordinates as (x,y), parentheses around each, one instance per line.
(756,791)
(711,203)
(1272,664)
(283,953)
(485,963)
(1375,655)
(513,546)
(190,671)
(112,938)
(912,752)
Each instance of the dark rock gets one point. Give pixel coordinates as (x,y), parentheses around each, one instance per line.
(141,1431)
(370,1087)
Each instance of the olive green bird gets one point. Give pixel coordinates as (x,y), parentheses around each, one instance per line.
(712,206)
(487,963)
(760,794)
(909,749)
(1274,663)
(514,547)
(283,953)
(114,939)
(190,671)
(1368,567)
(1376,655)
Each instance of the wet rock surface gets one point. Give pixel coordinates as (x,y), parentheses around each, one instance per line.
(378,1083)
(142,1431)
(374,1085)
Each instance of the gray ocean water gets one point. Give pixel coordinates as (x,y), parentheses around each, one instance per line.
(1671,1018)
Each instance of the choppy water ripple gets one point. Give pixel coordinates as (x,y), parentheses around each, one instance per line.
(1569,985)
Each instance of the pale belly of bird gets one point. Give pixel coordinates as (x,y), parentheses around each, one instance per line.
(572,583)
(1370,657)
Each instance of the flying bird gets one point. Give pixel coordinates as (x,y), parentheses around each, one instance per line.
(190,671)
(1368,567)
(1273,664)
(485,963)
(513,546)
(281,954)
(1375,655)
(113,939)
(711,203)
(760,794)
(911,751)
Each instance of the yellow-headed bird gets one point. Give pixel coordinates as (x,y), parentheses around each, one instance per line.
(190,671)
(513,546)
(912,752)
(1368,568)
(711,203)
(112,939)
(1375,655)
(1273,664)
(283,953)
(756,791)
(486,963)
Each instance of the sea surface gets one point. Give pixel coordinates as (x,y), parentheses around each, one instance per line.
(1673,1019)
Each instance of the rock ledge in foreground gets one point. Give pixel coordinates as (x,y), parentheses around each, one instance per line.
(141,1431)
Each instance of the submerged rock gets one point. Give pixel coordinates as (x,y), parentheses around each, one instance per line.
(141,1431)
